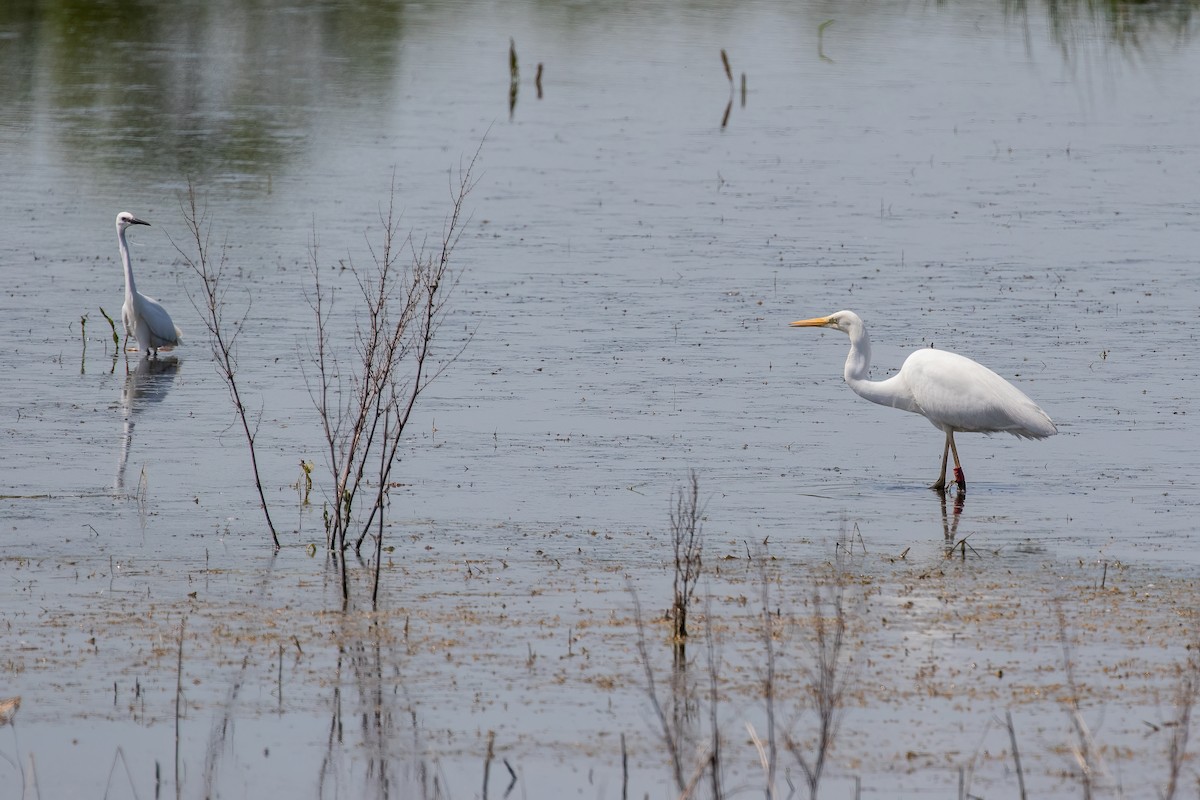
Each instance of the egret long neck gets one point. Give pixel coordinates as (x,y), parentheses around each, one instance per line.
(130,288)
(858,368)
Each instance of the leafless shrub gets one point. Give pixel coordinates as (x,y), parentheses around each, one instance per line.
(222,337)
(1088,761)
(693,757)
(1094,775)
(687,540)
(672,735)
(826,679)
(1186,693)
(696,758)
(364,416)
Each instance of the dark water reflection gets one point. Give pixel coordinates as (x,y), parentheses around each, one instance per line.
(232,91)
(192,88)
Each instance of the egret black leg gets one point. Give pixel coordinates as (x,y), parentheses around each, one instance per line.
(959,477)
(940,484)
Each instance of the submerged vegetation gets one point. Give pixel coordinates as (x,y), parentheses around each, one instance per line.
(823,661)
(860,674)
(689,718)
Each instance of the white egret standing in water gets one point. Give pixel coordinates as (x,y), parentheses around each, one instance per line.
(951,391)
(145,319)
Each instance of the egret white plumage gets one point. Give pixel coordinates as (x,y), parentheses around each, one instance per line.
(145,319)
(953,392)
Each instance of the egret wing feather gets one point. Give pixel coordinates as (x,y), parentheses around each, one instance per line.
(162,330)
(958,394)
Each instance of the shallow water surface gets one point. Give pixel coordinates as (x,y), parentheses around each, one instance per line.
(995,179)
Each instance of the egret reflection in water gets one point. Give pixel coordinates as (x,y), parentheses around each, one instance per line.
(950,521)
(145,385)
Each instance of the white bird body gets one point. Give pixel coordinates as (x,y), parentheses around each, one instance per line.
(145,319)
(953,392)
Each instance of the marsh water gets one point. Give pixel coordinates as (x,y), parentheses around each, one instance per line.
(1016,182)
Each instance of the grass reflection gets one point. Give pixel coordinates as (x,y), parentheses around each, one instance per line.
(226,90)
(197,88)
(1132,25)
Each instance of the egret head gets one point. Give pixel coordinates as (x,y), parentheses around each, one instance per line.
(843,321)
(125,219)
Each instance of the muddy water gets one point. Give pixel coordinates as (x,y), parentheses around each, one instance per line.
(1014,186)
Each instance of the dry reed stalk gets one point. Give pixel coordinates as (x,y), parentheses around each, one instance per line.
(222,336)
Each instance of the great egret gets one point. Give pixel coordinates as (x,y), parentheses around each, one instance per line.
(951,391)
(145,319)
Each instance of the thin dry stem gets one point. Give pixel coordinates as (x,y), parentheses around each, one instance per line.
(669,733)
(714,683)
(688,543)
(826,681)
(222,337)
(1088,758)
(364,420)
(768,754)
(1186,693)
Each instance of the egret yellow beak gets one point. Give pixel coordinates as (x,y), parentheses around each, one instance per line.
(815,322)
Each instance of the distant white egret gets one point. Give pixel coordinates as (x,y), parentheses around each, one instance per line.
(145,319)
(951,391)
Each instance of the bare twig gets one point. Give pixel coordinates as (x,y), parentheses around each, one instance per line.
(769,754)
(1012,736)
(512,777)
(1186,693)
(624,770)
(826,680)
(687,540)
(714,681)
(119,755)
(178,703)
(668,731)
(83,334)
(1087,755)
(487,761)
(222,338)
(365,421)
